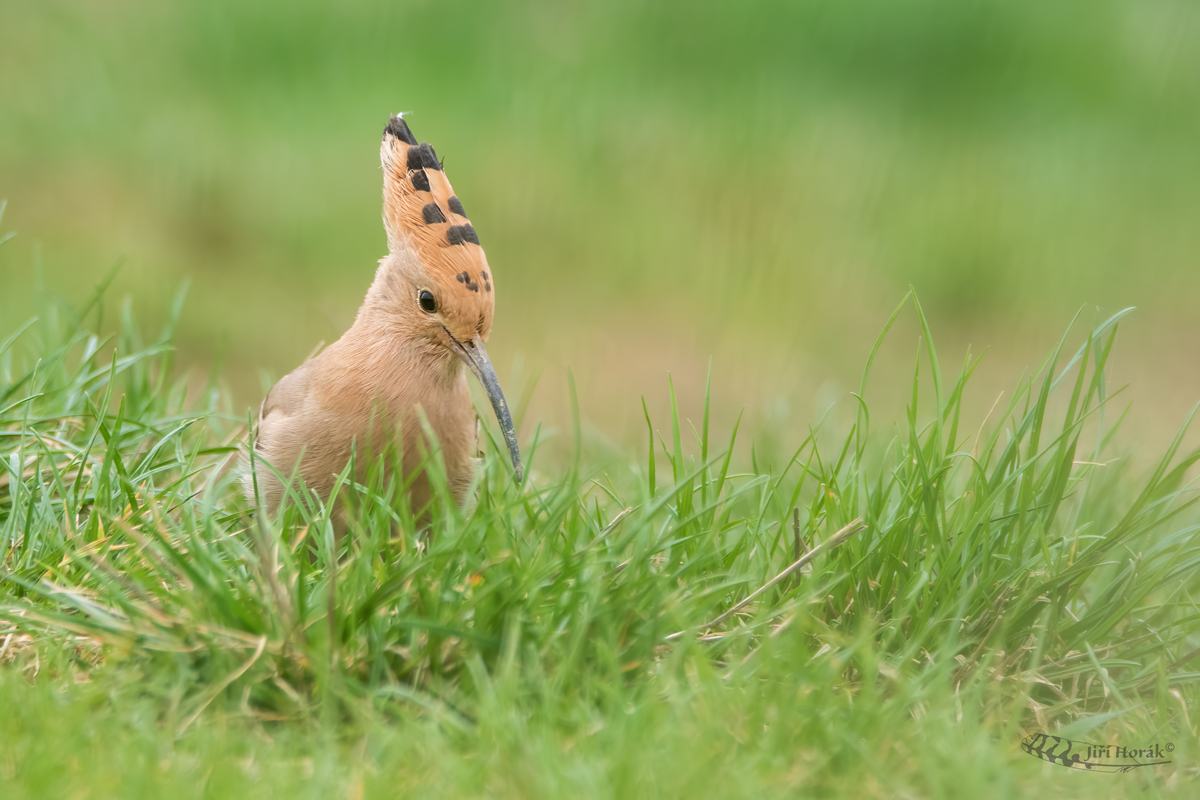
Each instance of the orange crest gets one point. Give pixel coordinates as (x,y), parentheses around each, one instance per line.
(421,211)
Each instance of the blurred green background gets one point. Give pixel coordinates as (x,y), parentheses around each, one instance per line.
(655,184)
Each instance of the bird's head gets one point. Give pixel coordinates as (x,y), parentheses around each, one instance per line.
(440,288)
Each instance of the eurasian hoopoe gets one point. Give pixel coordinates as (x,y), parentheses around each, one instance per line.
(426,315)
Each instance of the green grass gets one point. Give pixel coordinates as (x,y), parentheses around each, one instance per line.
(1012,576)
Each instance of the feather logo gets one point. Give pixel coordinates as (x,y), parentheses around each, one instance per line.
(1094,757)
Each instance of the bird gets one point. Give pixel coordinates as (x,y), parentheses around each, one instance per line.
(398,374)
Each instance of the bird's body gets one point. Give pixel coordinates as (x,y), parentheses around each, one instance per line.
(424,320)
(360,393)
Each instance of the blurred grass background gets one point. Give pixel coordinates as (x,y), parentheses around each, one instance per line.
(655,183)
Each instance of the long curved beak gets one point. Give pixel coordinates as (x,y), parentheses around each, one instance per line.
(475,355)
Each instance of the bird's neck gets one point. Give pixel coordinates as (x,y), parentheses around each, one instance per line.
(391,346)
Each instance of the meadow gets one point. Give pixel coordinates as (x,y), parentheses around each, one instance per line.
(596,631)
(748,260)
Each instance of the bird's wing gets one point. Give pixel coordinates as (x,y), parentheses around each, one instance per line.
(286,399)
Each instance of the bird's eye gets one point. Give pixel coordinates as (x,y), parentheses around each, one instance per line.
(428,304)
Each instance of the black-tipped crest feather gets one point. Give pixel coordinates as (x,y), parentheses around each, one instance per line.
(399,128)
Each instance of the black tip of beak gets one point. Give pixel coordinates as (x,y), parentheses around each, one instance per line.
(475,355)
